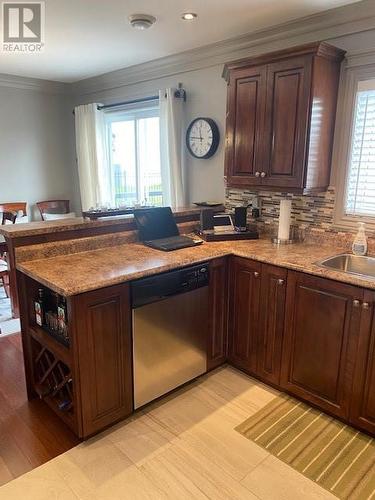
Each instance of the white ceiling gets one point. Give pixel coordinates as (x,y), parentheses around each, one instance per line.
(89,37)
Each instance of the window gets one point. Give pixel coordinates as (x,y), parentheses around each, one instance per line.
(134,140)
(360,182)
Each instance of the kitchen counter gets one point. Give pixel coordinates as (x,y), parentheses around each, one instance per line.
(75,230)
(81,272)
(76,223)
(99,357)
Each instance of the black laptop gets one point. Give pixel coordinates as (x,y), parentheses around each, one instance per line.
(157,228)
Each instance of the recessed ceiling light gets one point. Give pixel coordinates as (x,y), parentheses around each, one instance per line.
(141,21)
(189,16)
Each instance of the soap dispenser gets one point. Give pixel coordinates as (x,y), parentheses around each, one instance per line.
(359,246)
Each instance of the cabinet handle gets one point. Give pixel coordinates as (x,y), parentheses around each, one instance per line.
(365,306)
(280,282)
(257,174)
(356,303)
(256,274)
(263,174)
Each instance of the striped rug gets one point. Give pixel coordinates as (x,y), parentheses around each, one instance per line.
(334,455)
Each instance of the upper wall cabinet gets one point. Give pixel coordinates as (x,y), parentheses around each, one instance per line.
(280,119)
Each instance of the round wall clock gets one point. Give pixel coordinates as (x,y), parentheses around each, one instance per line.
(202,138)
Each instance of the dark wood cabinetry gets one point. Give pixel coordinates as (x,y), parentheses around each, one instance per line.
(89,382)
(363,398)
(309,336)
(256,321)
(270,336)
(246,101)
(244,300)
(321,322)
(106,378)
(218,307)
(280,118)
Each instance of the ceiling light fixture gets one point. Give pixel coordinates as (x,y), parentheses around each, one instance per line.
(189,16)
(141,21)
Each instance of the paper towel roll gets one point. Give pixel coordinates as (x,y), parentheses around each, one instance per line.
(284,219)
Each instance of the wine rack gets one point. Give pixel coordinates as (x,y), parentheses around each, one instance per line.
(53,382)
(86,381)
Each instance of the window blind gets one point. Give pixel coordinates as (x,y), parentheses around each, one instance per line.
(360,189)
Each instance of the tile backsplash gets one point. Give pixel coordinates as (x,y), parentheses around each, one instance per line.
(315,211)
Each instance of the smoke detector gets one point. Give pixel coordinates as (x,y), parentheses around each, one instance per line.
(141,21)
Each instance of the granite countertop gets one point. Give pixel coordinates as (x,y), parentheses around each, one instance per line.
(81,272)
(56,226)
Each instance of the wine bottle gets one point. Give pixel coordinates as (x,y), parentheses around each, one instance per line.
(39,306)
(62,317)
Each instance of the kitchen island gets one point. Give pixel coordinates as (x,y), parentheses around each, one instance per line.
(101,232)
(273,312)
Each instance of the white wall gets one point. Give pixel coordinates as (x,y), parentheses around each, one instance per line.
(36,155)
(206,96)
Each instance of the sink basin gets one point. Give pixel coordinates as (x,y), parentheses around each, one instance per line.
(352,264)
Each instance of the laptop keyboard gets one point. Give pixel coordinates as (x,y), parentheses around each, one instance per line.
(174,242)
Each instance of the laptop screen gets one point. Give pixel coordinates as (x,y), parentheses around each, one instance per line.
(155,223)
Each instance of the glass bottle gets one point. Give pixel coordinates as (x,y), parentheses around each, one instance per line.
(39,306)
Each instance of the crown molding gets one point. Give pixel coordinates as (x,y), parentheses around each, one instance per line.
(361,58)
(327,25)
(34,84)
(322,49)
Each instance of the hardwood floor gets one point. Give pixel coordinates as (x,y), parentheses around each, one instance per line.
(30,433)
(184,446)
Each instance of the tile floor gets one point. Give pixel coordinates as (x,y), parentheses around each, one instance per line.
(182,447)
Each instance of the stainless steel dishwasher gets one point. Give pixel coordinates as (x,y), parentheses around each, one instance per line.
(170,325)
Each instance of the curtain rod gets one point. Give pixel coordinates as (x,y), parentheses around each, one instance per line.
(180,93)
(133,101)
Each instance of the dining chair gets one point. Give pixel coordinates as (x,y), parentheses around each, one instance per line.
(11,217)
(4,271)
(4,276)
(55,207)
(17,207)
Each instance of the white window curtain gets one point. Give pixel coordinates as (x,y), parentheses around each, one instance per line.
(93,156)
(171,148)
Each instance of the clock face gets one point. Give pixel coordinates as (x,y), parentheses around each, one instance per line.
(202,138)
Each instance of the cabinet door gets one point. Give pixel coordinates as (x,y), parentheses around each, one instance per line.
(321,319)
(287,113)
(244,312)
(272,312)
(105,359)
(245,119)
(218,305)
(362,408)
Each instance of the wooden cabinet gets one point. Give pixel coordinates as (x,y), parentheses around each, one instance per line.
(244,300)
(218,306)
(245,111)
(288,90)
(280,118)
(363,396)
(309,336)
(104,347)
(256,320)
(319,344)
(271,330)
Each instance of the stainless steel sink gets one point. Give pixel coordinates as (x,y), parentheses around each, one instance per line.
(352,264)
